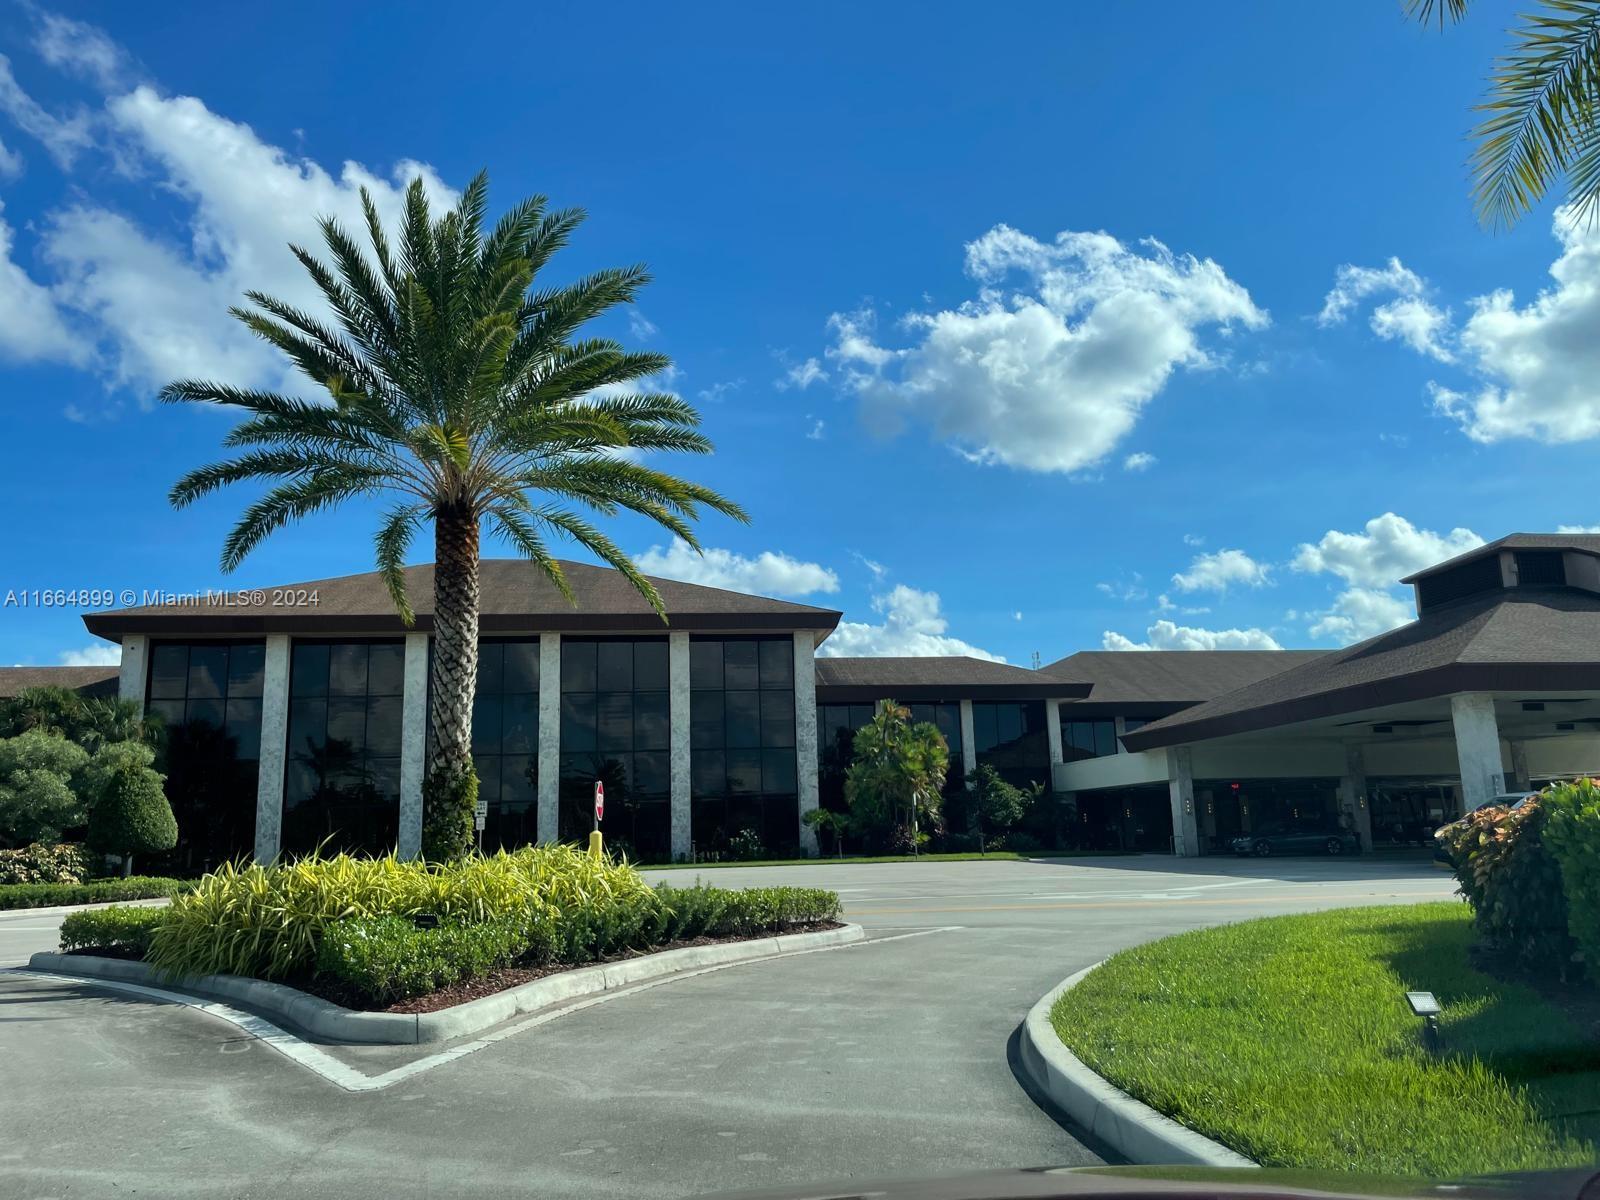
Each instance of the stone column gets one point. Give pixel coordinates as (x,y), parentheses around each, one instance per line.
(1180,787)
(1353,795)
(1477,748)
(969,748)
(678,699)
(1519,767)
(274,747)
(1052,728)
(549,737)
(135,671)
(413,744)
(805,732)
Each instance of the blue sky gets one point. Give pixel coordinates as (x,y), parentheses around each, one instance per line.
(1019,328)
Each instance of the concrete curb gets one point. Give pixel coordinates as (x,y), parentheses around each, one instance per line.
(326,1021)
(1133,1129)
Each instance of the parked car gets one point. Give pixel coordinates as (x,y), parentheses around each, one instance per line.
(1288,839)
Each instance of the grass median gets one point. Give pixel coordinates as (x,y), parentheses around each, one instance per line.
(1289,1040)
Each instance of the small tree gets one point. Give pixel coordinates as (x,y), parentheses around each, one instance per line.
(898,771)
(90,721)
(37,800)
(129,813)
(998,805)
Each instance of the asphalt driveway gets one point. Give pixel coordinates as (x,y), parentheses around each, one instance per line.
(891,1057)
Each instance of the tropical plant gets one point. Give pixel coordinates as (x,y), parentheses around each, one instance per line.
(1573,835)
(40,863)
(998,804)
(128,811)
(460,391)
(1541,117)
(37,800)
(898,772)
(90,721)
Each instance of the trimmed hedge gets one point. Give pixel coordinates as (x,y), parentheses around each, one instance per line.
(135,887)
(1573,835)
(41,863)
(118,929)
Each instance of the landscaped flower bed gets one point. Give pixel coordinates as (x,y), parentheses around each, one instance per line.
(376,933)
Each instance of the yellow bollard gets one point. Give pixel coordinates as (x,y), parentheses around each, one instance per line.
(596,845)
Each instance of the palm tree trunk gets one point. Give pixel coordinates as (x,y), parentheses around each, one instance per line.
(452,784)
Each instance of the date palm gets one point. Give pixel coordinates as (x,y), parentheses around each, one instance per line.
(460,392)
(1542,115)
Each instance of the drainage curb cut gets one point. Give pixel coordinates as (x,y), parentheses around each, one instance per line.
(1133,1129)
(327,1021)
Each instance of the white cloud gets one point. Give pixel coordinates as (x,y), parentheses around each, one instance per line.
(64,138)
(1128,592)
(98,655)
(815,434)
(1539,362)
(1217,572)
(1410,317)
(1052,376)
(1359,613)
(1578,528)
(877,568)
(1193,539)
(913,627)
(768,573)
(31,326)
(1164,604)
(1388,549)
(715,393)
(1353,284)
(1139,461)
(640,326)
(10,163)
(81,49)
(801,376)
(1165,635)
(1016,616)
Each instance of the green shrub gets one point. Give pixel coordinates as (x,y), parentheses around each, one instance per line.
(1573,835)
(36,797)
(382,960)
(448,801)
(691,911)
(42,895)
(128,812)
(1506,871)
(123,929)
(746,846)
(41,863)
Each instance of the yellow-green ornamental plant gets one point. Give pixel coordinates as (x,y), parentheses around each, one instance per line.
(462,393)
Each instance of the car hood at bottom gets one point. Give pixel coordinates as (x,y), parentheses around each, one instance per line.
(1189,1183)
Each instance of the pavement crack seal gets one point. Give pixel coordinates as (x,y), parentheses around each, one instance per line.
(319,1061)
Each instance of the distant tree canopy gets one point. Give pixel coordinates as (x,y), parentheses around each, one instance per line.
(897,773)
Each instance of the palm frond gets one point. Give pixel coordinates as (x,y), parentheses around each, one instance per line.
(391,544)
(1425,12)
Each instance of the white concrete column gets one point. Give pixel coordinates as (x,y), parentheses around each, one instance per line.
(413,744)
(678,700)
(1353,795)
(1477,748)
(1180,787)
(1519,768)
(1052,729)
(274,747)
(135,671)
(549,800)
(969,748)
(805,732)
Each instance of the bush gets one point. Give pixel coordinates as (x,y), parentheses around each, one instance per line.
(1513,882)
(119,929)
(746,846)
(128,812)
(40,863)
(1573,835)
(265,921)
(36,798)
(137,887)
(1018,842)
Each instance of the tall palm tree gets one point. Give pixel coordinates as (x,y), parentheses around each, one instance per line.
(461,392)
(1542,115)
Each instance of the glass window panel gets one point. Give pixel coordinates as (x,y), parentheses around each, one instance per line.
(300,781)
(743,718)
(309,676)
(1129,724)
(614,721)
(578,767)
(614,667)
(652,724)
(777,718)
(1105,738)
(246,669)
(577,721)
(705,664)
(486,724)
(948,719)
(577,666)
(520,723)
(516,779)
(169,672)
(860,714)
(740,665)
(208,670)
(744,772)
(347,722)
(985,727)
(488,768)
(170,711)
(244,726)
(384,774)
(491,667)
(708,773)
(383,724)
(308,726)
(705,720)
(521,670)
(652,775)
(205,710)
(650,666)
(1082,735)
(347,669)
(920,713)
(777,664)
(1009,722)
(386,669)
(778,773)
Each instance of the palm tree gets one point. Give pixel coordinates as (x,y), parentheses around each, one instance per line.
(461,393)
(1540,121)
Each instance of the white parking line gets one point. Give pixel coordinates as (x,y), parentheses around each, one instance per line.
(318,1060)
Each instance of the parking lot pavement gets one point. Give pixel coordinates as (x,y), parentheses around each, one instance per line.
(889,1057)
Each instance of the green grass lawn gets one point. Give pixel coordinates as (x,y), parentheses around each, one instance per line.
(1289,1040)
(992,856)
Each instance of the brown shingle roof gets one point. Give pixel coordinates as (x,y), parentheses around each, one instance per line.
(946,677)
(1589,543)
(514,596)
(1544,638)
(92,681)
(1172,676)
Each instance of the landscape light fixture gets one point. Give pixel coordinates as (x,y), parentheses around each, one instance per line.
(1424,1005)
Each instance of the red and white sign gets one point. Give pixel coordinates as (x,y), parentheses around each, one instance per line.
(599,800)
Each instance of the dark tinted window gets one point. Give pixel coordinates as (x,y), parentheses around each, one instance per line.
(505,741)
